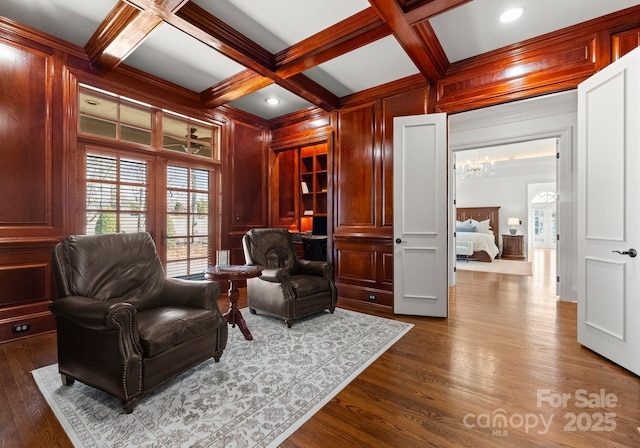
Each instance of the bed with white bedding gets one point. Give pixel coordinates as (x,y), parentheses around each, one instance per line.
(480,226)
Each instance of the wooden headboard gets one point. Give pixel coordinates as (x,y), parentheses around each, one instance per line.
(481,214)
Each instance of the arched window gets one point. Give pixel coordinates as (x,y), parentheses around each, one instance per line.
(545,197)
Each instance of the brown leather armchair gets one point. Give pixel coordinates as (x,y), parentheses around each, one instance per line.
(122,326)
(288,287)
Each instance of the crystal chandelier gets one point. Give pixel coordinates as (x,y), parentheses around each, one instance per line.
(474,169)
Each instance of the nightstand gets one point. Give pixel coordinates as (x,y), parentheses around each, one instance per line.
(513,247)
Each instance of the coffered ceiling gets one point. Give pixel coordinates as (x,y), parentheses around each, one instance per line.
(305,53)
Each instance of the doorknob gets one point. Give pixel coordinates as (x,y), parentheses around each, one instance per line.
(631,252)
(398,240)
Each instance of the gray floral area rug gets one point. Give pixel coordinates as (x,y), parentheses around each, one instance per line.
(259,393)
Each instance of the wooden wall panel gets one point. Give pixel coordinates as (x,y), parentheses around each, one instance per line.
(355,164)
(25,147)
(407,103)
(362,270)
(489,79)
(248,183)
(623,42)
(26,288)
(21,284)
(285,188)
(244,192)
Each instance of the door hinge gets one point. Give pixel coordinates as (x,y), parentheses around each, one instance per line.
(557,279)
(455,234)
(557,237)
(454,202)
(557,155)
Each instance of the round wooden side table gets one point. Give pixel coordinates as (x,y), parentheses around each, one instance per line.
(233,274)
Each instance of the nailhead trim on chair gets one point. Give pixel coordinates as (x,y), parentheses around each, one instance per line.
(124,357)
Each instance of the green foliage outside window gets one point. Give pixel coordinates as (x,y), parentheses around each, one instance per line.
(106,223)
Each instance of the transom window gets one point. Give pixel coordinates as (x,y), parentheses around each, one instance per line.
(115,117)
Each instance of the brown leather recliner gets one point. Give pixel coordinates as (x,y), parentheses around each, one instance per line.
(122,326)
(288,287)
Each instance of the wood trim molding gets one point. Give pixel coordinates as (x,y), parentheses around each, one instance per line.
(119,34)
(354,32)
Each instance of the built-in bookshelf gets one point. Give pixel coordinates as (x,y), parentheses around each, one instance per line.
(313,184)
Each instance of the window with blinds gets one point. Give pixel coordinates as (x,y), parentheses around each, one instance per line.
(116,194)
(187,232)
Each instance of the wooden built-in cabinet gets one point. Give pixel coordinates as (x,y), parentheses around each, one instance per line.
(313,184)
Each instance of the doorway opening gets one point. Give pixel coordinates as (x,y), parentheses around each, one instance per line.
(510,176)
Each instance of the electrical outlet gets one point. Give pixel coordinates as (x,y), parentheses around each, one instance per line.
(372,297)
(21,328)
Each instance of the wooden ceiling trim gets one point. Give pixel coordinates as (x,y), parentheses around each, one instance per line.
(384,90)
(427,35)
(212,31)
(311,91)
(234,87)
(427,63)
(161,8)
(119,34)
(352,33)
(429,9)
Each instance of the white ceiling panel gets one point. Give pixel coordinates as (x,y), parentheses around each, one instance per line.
(372,65)
(475,28)
(71,20)
(278,24)
(255,104)
(173,55)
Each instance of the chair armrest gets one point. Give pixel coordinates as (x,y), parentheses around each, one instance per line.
(317,268)
(91,313)
(275,275)
(194,293)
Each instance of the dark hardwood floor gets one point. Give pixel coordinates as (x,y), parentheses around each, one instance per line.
(447,383)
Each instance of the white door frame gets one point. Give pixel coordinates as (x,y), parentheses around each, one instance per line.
(549,116)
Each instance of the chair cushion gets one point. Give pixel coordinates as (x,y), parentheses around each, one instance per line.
(124,266)
(306,285)
(163,328)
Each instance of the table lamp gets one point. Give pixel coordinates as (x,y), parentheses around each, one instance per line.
(513,222)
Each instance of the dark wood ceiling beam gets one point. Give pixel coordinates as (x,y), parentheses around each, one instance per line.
(161,8)
(430,65)
(430,9)
(352,33)
(213,32)
(234,87)
(119,34)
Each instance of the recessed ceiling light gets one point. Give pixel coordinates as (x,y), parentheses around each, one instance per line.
(272,101)
(511,14)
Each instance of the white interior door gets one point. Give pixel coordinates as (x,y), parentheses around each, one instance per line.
(420,282)
(608,212)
